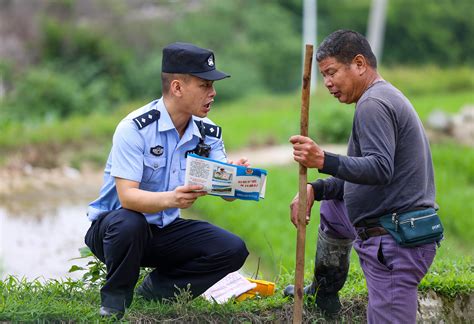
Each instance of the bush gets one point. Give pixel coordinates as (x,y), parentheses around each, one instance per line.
(112,60)
(46,93)
(437,32)
(143,78)
(332,124)
(260,44)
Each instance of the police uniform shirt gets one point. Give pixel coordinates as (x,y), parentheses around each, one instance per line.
(147,149)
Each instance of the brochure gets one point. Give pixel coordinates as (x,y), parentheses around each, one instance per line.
(232,285)
(225,180)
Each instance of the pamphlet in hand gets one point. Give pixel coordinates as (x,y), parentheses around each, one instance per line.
(225,180)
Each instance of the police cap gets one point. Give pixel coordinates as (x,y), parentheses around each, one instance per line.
(187,58)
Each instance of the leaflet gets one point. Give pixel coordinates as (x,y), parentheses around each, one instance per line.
(225,180)
(232,285)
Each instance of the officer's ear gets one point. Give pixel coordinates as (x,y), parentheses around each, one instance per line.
(178,84)
(176,87)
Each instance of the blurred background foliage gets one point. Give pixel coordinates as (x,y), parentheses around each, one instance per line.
(77,57)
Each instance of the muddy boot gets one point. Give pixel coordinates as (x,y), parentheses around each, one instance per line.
(330,273)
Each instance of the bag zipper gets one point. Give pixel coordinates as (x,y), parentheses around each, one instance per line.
(413,219)
(395,221)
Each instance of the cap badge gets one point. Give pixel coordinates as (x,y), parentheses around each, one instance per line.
(210,61)
(157,150)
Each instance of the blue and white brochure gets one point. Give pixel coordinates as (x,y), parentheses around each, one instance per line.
(224,179)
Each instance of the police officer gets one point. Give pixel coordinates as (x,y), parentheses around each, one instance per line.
(388,169)
(136,219)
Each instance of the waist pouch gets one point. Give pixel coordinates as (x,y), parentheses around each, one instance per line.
(414,228)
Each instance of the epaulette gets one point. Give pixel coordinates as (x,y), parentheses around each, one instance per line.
(147,118)
(210,130)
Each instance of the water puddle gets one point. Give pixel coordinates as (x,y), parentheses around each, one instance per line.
(43,222)
(42,247)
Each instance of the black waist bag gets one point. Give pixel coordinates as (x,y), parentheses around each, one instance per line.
(414,228)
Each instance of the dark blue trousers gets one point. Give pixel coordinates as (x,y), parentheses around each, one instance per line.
(184,253)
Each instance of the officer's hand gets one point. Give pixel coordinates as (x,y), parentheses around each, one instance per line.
(242,161)
(309,205)
(185,196)
(307,152)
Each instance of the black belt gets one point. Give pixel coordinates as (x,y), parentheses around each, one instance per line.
(370,227)
(366,232)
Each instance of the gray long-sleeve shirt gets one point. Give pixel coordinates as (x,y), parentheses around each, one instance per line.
(388,167)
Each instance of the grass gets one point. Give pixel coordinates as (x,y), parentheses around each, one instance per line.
(23,301)
(449,103)
(69,300)
(430,79)
(454,177)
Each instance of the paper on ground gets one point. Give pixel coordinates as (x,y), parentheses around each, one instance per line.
(232,285)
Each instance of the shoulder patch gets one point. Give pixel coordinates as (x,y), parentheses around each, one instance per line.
(211,130)
(146,118)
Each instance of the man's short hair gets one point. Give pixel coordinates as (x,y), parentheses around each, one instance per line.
(344,45)
(167,78)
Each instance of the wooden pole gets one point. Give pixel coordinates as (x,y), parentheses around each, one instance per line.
(301,230)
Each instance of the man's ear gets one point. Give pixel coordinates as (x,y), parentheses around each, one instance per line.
(176,88)
(361,63)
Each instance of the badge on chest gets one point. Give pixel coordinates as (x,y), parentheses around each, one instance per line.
(157,150)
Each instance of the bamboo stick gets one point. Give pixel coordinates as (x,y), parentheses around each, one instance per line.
(301,229)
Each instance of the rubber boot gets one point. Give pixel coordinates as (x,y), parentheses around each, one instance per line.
(330,273)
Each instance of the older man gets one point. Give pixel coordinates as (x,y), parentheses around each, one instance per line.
(388,169)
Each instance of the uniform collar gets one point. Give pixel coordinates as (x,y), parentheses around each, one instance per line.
(196,131)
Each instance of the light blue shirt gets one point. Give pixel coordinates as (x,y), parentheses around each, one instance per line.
(131,158)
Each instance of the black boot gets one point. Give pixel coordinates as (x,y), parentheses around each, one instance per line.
(330,272)
(111,313)
(147,291)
